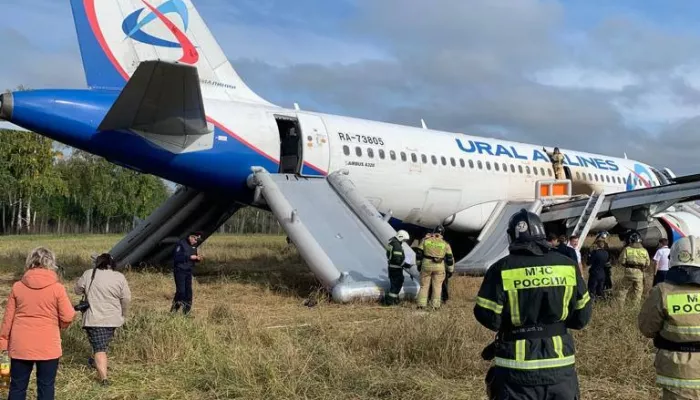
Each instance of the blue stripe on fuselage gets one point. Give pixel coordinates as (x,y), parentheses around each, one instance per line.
(72,116)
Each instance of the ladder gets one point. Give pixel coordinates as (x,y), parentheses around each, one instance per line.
(585,221)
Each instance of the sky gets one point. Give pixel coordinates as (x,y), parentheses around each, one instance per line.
(607,77)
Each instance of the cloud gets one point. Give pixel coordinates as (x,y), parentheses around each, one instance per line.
(526,70)
(510,69)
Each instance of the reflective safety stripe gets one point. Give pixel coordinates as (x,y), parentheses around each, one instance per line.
(538,277)
(520,350)
(687,330)
(398,253)
(568,292)
(514,307)
(558,346)
(393,295)
(679,383)
(584,300)
(489,305)
(683,303)
(395,266)
(535,364)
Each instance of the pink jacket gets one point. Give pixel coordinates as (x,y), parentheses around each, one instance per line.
(37,308)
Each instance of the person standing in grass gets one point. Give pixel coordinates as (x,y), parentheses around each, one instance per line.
(37,309)
(671,315)
(108,294)
(186,256)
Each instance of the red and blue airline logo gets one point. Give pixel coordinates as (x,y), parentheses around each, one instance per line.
(134,23)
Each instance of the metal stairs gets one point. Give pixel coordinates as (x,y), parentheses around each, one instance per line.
(589,215)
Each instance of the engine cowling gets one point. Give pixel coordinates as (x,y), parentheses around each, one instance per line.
(682,221)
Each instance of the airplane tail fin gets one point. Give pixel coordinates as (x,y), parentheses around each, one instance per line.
(115,36)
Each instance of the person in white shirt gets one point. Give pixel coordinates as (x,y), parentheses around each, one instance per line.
(573,243)
(661,261)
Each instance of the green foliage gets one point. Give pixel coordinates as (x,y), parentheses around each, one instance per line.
(37,181)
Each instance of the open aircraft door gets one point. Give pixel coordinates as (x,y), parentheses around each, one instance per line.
(315,148)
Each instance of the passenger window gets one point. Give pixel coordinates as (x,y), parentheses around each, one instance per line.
(442,159)
(453,162)
(496,166)
(433,159)
(619,180)
(505,167)
(527,170)
(607,178)
(512,168)
(370,153)
(461,162)
(424,158)
(596,177)
(534,170)
(542,171)
(414,158)
(488,165)
(478,164)
(346,150)
(520,169)
(549,172)
(590,177)
(403,156)
(358,151)
(471,164)
(578,175)
(381,154)
(392,154)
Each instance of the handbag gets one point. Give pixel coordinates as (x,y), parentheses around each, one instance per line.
(83,305)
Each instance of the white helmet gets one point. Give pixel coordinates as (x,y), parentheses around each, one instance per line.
(685,251)
(402,235)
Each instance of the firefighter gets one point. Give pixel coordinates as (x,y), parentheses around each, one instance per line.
(531,298)
(557,160)
(671,316)
(635,259)
(396,259)
(435,260)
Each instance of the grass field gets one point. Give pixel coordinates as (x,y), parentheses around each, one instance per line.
(251,337)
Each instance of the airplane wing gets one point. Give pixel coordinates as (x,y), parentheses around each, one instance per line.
(162,98)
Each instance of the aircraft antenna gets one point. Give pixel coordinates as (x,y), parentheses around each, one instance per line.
(296,106)
(423,124)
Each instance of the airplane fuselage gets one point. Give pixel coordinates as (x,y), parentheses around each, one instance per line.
(421,176)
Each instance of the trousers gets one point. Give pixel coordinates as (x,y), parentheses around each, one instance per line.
(183,290)
(431,278)
(498,388)
(596,284)
(445,295)
(659,277)
(21,371)
(395,284)
(633,280)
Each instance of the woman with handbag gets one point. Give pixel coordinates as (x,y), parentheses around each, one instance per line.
(37,308)
(106,297)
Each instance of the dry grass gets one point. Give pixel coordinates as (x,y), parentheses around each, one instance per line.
(252,338)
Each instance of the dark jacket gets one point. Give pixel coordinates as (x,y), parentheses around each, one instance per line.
(183,251)
(394,253)
(598,259)
(534,288)
(567,251)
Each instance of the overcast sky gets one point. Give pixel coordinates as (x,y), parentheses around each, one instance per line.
(594,75)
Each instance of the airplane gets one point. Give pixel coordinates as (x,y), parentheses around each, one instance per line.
(163,99)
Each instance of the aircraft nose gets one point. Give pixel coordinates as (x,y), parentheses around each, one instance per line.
(6,105)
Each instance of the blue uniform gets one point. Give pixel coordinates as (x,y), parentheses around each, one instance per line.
(182,269)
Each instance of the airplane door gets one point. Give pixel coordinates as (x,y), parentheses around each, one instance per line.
(315,148)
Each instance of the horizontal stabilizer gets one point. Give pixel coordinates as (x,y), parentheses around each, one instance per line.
(162,98)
